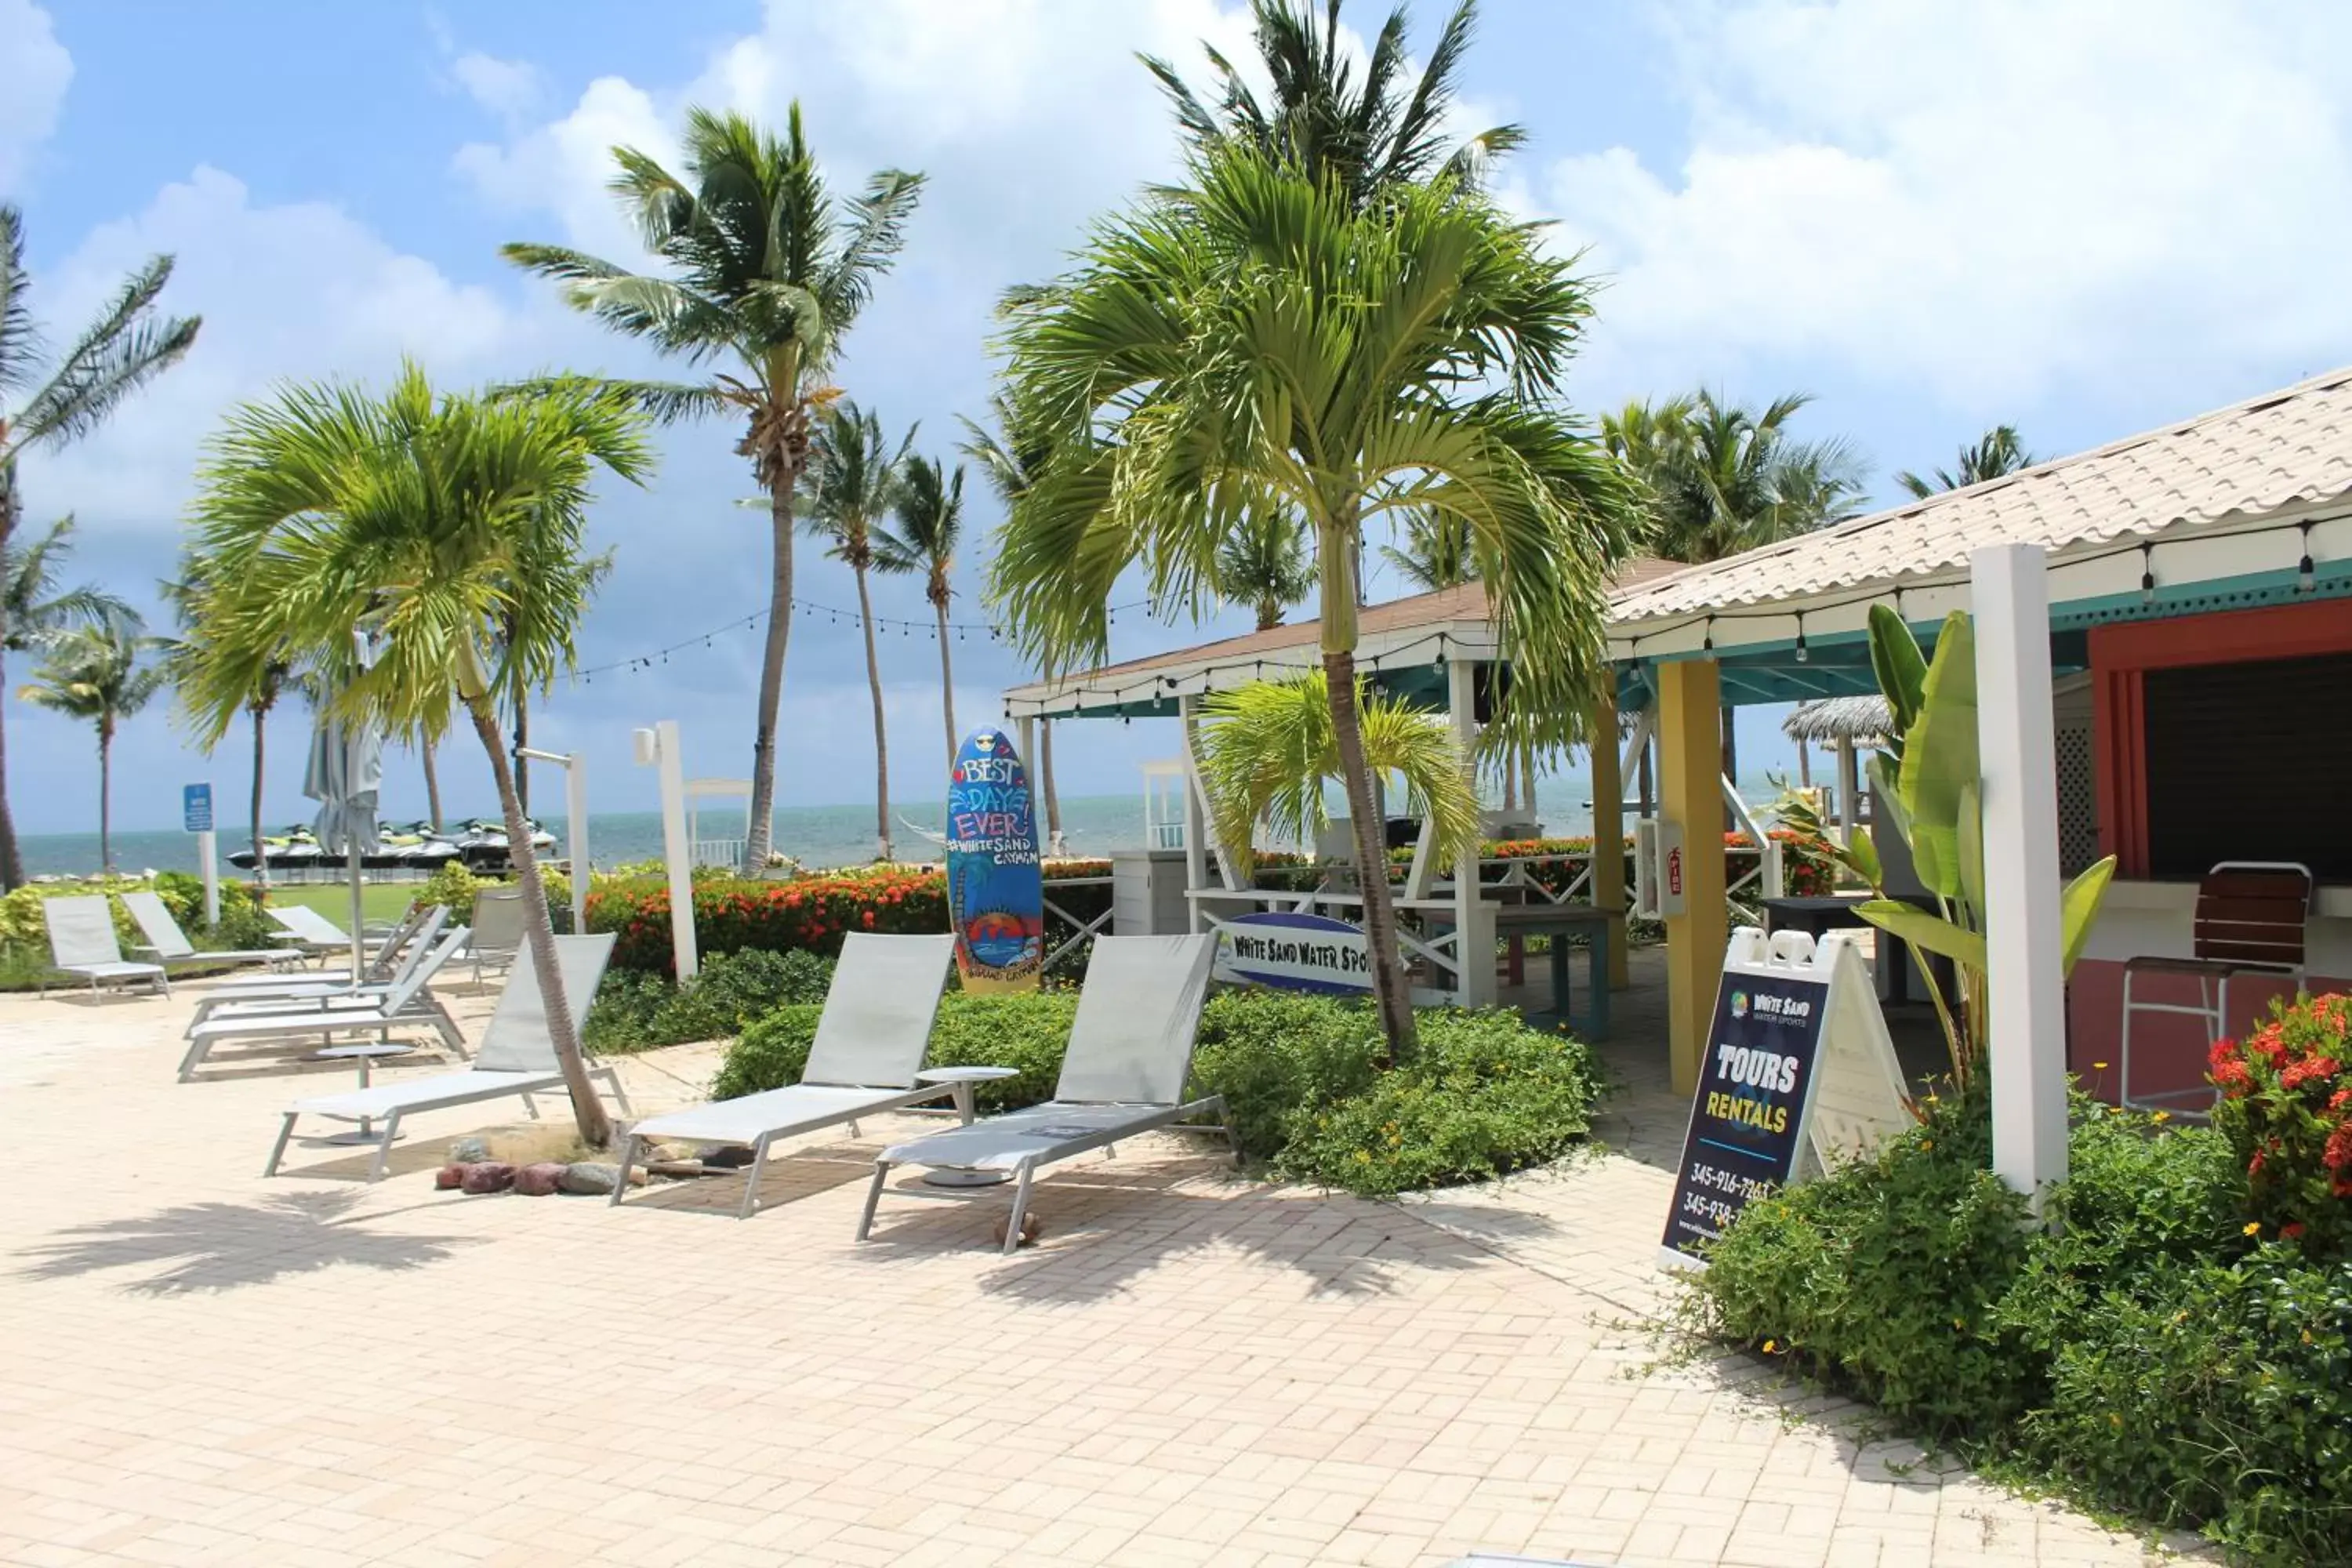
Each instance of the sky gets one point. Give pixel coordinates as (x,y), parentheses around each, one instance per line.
(2087,217)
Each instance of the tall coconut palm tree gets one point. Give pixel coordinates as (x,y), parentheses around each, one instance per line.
(1263,563)
(2000,452)
(1011,459)
(1366,137)
(100,675)
(1721,477)
(326,511)
(35,606)
(928,511)
(271,678)
(852,483)
(1258,340)
(127,345)
(767,270)
(1435,554)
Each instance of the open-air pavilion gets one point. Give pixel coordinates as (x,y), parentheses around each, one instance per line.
(2200,581)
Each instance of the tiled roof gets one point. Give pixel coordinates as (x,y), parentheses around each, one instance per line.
(2277,450)
(1445,606)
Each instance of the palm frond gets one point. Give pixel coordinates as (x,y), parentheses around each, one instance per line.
(19,342)
(121,352)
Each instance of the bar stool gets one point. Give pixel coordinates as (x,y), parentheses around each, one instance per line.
(2249,922)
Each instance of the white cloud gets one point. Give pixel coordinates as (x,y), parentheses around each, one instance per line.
(510,89)
(1992,200)
(38,70)
(286,292)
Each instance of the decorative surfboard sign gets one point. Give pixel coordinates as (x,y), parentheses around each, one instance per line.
(996,888)
(1294,952)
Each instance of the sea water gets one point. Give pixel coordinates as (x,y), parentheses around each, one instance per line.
(815,836)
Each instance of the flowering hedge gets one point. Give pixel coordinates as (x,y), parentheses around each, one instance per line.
(2286,1109)
(808,913)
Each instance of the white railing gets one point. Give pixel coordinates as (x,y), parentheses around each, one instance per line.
(1167,834)
(1087,928)
(727,852)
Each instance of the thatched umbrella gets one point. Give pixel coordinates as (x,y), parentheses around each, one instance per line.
(1847,723)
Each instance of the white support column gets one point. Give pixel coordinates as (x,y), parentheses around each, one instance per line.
(1196,815)
(1849,788)
(575,833)
(1474,918)
(1028,738)
(2024,966)
(660,747)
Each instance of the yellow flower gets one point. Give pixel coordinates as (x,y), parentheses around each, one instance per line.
(2161,1116)
(1771,1345)
(1926,1143)
(2098,1067)
(2254,1227)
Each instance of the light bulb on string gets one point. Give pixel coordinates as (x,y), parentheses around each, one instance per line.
(2306,578)
(1803,653)
(2148,574)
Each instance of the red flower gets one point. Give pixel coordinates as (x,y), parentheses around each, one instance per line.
(2300,1073)
(2291,1231)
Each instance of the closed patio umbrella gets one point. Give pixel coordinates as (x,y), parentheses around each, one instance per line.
(345,776)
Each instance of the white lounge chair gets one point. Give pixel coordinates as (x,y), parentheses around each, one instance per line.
(309,932)
(274,990)
(403,1006)
(516,1058)
(82,943)
(869,1045)
(1126,1072)
(499,927)
(169,944)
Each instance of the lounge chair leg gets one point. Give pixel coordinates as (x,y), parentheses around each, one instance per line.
(384,1148)
(963,1103)
(620,1096)
(751,1179)
(277,1150)
(628,1158)
(188,1063)
(1020,1210)
(853,1127)
(531,1108)
(1233,1139)
(873,1198)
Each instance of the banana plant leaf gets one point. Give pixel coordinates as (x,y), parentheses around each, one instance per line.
(2079,910)
(1921,930)
(1970,844)
(1939,758)
(1902,672)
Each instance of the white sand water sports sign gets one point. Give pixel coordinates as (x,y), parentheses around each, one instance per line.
(1799,1065)
(1293,952)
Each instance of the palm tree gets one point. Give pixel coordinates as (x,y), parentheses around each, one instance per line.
(1268,748)
(852,483)
(325,513)
(1720,477)
(1263,563)
(1011,459)
(768,273)
(2000,452)
(1435,554)
(1259,341)
(35,607)
(271,678)
(95,674)
(929,507)
(1367,138)
(127,345)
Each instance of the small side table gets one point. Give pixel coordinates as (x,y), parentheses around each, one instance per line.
(367,1054)
(961,1080)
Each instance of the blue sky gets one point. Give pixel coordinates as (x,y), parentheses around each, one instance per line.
(2088,217)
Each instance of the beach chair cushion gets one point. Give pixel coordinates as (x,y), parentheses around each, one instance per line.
(516,1040)
(82,941)
(1131,1042)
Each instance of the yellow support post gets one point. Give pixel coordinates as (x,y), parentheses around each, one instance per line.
(1690,759)
(1609,832)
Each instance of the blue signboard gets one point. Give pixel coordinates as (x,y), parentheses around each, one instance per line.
(1748,1119)
(1293,952)
(196,807)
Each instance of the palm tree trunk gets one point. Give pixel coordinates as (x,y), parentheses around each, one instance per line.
(12,863)
(432,782)
(105,793)
(587,1110)
(947,683)
(756,834)
(881,739)
(1390,992)
(521,738)
(1052,800)
(260,854)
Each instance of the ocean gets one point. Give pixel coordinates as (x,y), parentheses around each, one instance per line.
(817,836)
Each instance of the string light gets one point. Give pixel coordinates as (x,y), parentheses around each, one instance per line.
(2147,574)
(1803,653)
(2305,577)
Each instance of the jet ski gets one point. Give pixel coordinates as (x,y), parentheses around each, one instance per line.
(294,850)
(410,847)
(483,846)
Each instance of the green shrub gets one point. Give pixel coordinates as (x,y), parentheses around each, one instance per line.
(1273,1053)
(637,1012)
(2215,1393)
(1882,1278)
(1485,1096)
(454,885)
(2286,1110)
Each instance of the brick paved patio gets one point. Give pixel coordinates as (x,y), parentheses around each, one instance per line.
(201,1366)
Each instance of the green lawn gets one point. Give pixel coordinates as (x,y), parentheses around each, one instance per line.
(381,901)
